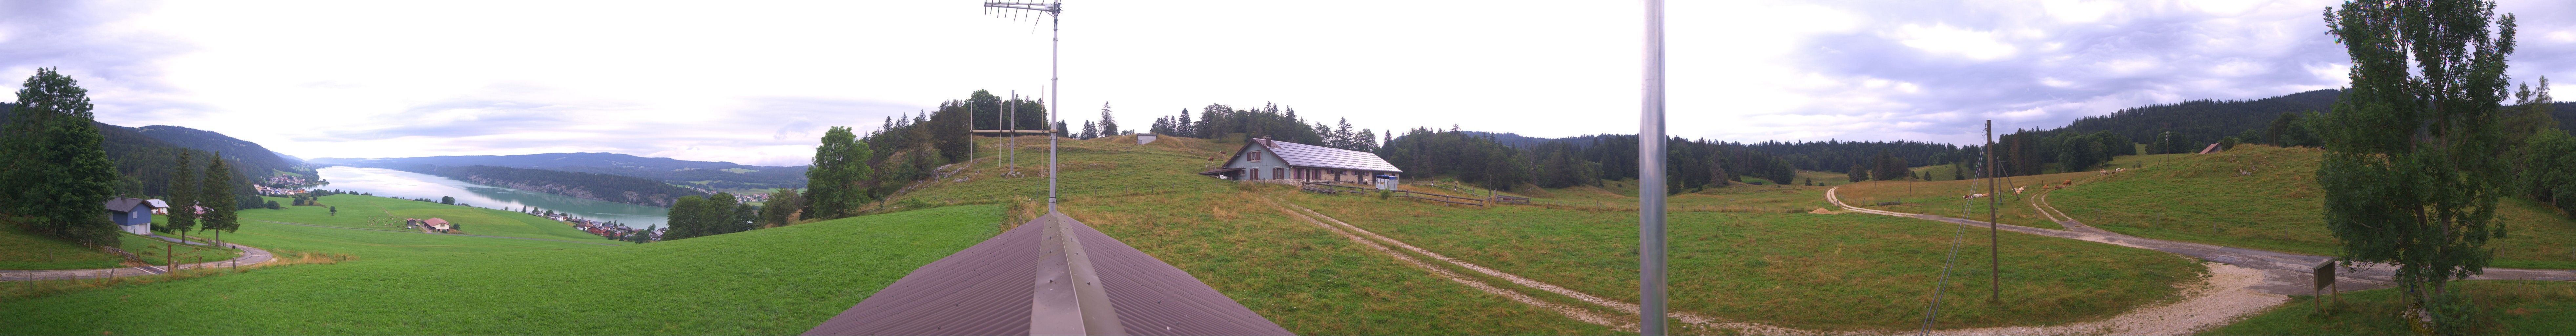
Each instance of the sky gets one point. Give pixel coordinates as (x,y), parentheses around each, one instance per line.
(757,82)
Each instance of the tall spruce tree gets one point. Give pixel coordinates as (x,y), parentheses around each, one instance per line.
(2411,169)
(835,183)
(58,173)
(183,195)
(216,193)
(1108,125)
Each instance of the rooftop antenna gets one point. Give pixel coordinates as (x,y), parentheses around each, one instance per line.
(1054,11)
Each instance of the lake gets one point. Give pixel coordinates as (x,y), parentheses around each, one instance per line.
(409,185)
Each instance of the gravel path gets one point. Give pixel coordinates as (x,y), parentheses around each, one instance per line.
(2279,274)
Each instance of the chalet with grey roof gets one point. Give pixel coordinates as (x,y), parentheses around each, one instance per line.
(1263,159)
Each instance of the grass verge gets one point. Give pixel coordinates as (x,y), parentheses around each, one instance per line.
(2508,307)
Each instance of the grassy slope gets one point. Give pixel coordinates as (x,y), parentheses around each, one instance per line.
(1096,167)
(1800,270)
(2510,308)
(379,213)
(1943,198)
(1301,277)
(773,281)
(2280,207)
(20,250)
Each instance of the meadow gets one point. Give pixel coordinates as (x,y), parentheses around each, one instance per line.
(381,213)
(2506,307)
(2275,205)
(20,250)
(771,281)
(1840,272)
(1304,278)
(1944,198)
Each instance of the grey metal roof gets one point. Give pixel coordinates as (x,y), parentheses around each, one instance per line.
(123,203)
(1054,271)
(1304,155)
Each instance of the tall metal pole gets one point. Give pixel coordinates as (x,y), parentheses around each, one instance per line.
(1994,262)
(1055,52)
(1650,181)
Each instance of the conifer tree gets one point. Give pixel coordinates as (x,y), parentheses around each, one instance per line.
(183,195)
(1108,125)
(216,194)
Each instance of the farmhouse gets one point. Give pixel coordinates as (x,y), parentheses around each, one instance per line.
(1263,159)
(132,215)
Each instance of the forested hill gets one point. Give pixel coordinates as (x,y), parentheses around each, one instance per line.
(144,164)
(718,175)
(250,154)
(604,187)
(2203,121)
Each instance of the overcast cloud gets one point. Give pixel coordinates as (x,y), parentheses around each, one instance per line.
(757,82)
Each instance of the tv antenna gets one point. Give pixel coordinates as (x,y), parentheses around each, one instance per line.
(1055,42)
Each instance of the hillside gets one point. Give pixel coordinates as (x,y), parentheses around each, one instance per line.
(2202,121)
(718,175)
(242,151)
(2277,206)
(590,186)
(774,281)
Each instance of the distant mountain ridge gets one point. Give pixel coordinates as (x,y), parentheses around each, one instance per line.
(715,174)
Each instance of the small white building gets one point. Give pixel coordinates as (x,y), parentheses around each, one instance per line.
(1144,138)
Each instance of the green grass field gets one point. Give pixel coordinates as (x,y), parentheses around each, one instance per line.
(1843,272)
(2508,308)
(1307,280)
(27,251)
(20,250)
(2278,207)
(1945,198)
(380,213)
(771,281)
(1096,167)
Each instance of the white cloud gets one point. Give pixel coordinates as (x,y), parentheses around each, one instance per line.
(1944,39)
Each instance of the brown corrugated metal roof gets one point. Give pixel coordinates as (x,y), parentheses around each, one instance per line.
(1304,155)
(991,289)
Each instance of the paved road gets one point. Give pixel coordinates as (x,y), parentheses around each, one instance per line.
(249,256)
(2283,273)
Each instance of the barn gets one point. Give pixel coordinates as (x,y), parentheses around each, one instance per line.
(133,215)
(1263,159)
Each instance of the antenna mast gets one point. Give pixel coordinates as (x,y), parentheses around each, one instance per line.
(1055,12)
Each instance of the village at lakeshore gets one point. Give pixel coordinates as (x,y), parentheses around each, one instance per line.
(1747,258)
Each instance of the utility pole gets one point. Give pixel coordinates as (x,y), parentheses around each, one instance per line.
(1055,53)
(1650,181)
(1994,262)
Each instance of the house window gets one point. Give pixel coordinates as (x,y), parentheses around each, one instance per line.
(1253,157)
(1278,173)
(1256,173)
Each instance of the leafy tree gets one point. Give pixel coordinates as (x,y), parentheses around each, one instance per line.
(1888,167)
(58,172)
(781,208)
(685,218)
(448,200)
(272,205)
(834,181)
(2410,171)
(1858,173)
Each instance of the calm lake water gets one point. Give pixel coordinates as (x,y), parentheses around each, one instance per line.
(408,185)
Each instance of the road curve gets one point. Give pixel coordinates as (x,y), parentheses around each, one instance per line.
(2284,273)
